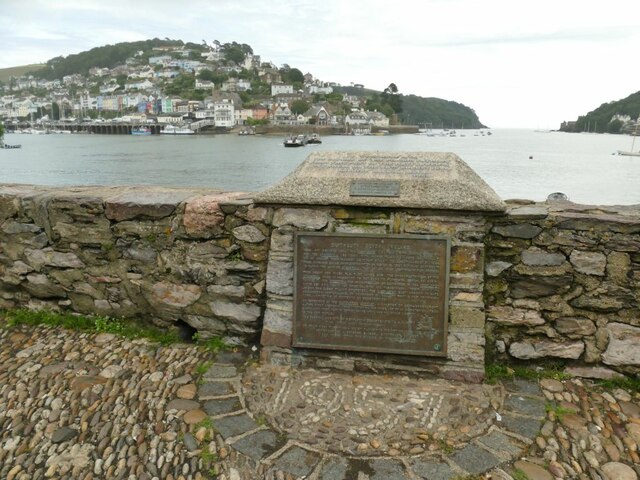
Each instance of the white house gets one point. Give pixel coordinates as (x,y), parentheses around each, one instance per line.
(139,85)
(204,84)
(213,56)
(319,89)
(320,115)
(160,60)
(378,119)
(236,85)
(224,113)
(281,115)
(166,74)
(277,89)
(357,118)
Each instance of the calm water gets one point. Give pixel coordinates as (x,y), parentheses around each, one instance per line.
(580,165)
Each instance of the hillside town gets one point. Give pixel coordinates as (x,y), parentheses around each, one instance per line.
(224,84)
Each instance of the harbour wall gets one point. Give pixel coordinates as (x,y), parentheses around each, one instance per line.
(545,281)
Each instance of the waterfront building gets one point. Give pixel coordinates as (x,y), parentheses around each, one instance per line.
(224,113)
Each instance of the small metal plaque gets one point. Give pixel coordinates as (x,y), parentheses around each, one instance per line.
(371,293)
(374,188)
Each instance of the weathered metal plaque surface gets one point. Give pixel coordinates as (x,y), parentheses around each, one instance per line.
(372,293)
(374,188)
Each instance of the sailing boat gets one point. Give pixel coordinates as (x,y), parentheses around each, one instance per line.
(631,153)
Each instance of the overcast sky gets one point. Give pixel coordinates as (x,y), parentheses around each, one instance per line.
(517,64)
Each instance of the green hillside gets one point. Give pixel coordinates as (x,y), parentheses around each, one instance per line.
(107,56)
(599,120)
(7,73)
(417,110)
(438,112)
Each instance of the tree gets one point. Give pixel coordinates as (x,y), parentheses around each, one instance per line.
(121,80)
(391,98)
(614,126)
(207,75)
(292,75)
(392,89)
(299,106)
(236,52)
(55,111)
(1,133)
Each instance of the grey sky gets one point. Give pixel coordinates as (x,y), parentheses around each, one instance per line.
(518,64)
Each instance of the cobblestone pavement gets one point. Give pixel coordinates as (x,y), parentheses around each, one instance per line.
(86,406)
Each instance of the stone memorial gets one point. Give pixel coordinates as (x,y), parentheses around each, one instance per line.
(376,262)
(437,181)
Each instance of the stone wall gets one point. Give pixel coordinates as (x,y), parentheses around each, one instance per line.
(465,341)
(555,281)
(563,282)
(160,255)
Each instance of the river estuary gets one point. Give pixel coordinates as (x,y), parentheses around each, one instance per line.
(516,163)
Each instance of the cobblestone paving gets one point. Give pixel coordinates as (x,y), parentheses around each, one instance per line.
(80,406)
(370,415)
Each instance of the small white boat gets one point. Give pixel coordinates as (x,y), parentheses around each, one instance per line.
(295,141)
(141,131)
(173,130)
(631,153)
(314,138)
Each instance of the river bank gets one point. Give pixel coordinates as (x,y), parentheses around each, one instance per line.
(325,130)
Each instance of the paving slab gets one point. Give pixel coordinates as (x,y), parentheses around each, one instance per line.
(258,445)
(525,387)
(475,460)
(499,442)
(524,426)
(433,470)
(215,389)
(387,469)
(220,371)
(534,407)
(335,468)
(297,461)
(219,407)
(234,425)
(232,358)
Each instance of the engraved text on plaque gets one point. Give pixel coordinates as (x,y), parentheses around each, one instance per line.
(372,293)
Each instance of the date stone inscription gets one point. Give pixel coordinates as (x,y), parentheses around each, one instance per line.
(372,293)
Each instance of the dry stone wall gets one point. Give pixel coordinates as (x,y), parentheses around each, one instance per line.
(563,283)
(554,280)
(161,255)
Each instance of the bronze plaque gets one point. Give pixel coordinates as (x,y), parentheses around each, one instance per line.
(374,188)
(371,293)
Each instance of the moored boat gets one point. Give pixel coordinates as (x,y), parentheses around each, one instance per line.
(631,153)
(247,131)
(141,131)
(173,130)
(295,141)
(314,139)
